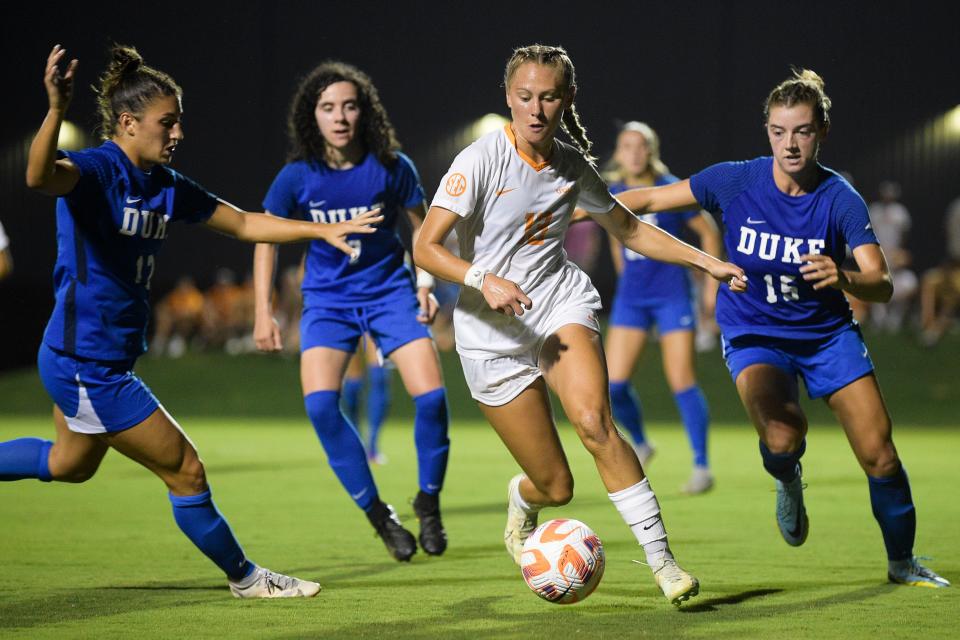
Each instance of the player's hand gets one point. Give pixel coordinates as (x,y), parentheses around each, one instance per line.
(505,296)
(335,234)
(428,305)
(266,334)
(822,271)
(59,87)
(729,273)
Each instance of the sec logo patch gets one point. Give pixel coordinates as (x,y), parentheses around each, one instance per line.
(456,184)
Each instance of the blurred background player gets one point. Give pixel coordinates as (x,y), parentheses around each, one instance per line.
(788,222)
(115,202)
(178,319)
(6,258)
(367,368)
(940,286)
(656,294)
(891,223)
(527,317)
(345,161)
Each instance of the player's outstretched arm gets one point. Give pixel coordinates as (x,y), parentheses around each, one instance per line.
(429,253)
(711,242)
(44,172)
(671,197)
(259,227)
(656,243)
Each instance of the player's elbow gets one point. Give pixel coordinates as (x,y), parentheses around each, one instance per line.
(36,179)
(423,254)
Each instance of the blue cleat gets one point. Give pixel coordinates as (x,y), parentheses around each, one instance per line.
(791,514)
(911,572)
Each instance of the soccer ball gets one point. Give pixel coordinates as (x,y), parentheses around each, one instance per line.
(562,561)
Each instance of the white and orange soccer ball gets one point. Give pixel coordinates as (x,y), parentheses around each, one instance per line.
(562,561)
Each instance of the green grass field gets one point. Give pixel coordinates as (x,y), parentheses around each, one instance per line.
(106,559)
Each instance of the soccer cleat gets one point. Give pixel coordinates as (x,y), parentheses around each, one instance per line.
(267,584)
(791,514)
(677,585)
(911,572)
(644,453)
(377,458)
(433,538)
(700,481)
(520,524)
(399,542)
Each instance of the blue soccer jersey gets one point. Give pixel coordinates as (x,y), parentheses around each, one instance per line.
(766,232)
(109,231)
(644,280)
(314,191)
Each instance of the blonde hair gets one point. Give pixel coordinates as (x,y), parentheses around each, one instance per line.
(554,57)
(656,165)
(804,87)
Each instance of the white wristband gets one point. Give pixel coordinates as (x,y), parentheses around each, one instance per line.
(425,280)
(474,277)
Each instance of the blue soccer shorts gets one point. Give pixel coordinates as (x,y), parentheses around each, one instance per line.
(826,365)
(391,326)
(95,396)
(670,315)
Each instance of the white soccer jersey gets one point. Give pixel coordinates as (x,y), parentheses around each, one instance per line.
(515,215)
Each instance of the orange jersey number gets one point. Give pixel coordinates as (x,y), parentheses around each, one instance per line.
(535,230)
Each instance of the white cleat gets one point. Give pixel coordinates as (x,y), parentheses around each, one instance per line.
(700,481)
(912,573)
(520,524)
(267,584)
(677,585)
(644,453)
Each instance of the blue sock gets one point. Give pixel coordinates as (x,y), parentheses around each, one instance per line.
(893,509)
(343,446)
(696,418)
(25,458)
(351,399)
(626,409)
(782,466)
(430,436)
(378,404)
(202,522)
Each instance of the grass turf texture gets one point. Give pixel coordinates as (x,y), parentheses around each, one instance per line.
(106,558)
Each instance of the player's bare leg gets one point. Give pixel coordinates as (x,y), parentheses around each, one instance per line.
(574,366)
(771,398)
(74,457)
(526,427)
(860,408)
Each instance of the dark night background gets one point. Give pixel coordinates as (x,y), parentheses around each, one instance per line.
(696,71)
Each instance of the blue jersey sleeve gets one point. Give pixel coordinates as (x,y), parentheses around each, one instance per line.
(717,185)
(406,183)
(853,219)
(96,171)
(281,198)
(191,202)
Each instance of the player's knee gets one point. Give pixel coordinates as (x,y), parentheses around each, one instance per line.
(559,489)
(190,478)
(594,427)
(880,462)
(75,474)
(782,439)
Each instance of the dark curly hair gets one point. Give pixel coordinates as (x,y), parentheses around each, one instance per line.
(128,85)
(376,130)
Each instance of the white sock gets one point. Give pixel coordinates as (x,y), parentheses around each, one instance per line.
(639,508)
(517,500)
